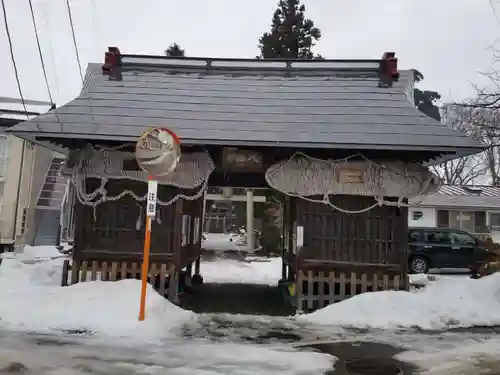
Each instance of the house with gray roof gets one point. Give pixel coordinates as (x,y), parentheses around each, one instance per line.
(246,119)
(324,104)
(475,209)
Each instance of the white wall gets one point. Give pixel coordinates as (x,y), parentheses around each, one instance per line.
(428,219)
(10,199)
(35,166)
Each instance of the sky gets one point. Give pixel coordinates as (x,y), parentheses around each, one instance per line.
(450,42)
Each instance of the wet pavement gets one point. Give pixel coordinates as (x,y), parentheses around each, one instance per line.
(236,299)
(257,314)
(202,347)
(360,358)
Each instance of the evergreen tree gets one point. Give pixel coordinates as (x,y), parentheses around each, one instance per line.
(425,100)
(292,35)
(174,51)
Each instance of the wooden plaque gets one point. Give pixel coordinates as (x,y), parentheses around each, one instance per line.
(350,176)
(238,160)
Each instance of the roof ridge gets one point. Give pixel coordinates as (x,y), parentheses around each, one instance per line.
(385,68)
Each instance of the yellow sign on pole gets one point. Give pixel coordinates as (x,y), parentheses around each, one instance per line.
(158,153)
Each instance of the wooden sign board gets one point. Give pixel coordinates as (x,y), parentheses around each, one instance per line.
(350,176)
(241,160)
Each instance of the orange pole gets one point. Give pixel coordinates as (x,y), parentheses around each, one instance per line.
(145,269)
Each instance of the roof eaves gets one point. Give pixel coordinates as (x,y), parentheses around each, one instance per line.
(242,142)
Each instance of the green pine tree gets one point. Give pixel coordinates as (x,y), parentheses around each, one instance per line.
(174,51)
(425,100)
(292,35)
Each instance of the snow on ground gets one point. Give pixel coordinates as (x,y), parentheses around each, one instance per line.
(445,303)
(76,356)
(467,357)
(33,300)
(34,253)
(254,270)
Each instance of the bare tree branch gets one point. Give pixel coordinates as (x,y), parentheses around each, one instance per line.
(464,170)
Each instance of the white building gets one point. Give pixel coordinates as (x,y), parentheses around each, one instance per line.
(30,188)
(475,209)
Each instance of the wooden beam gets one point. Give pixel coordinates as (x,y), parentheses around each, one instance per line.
(234,198)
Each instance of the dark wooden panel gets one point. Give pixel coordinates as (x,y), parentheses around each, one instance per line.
(374,238)
(118,226)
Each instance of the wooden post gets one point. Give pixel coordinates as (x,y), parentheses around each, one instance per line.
(284,245)
(145,268)
(250,234)
(150,214)
(173,287)
(197,265)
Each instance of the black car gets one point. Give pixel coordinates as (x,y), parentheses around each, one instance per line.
(444,248)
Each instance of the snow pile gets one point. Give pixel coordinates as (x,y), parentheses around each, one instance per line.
(31,299)
(445,303)
(264,271)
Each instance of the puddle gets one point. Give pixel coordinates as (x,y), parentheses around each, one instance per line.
(364,358)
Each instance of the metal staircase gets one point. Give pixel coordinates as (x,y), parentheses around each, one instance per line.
(48,206)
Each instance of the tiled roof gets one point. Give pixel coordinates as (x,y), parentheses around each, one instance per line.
(464,197)
(320,104)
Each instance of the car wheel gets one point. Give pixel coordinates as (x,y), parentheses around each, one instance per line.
(418,265)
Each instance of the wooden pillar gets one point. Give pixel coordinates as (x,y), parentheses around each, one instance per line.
(250,219)
(173,286)
(284,245)
(189,273)
(292,209)
(197,265)
(203,214)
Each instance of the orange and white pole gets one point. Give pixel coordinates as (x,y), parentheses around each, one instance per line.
(150,215)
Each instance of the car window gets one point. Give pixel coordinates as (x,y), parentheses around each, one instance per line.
(437,237)
(414,236)
(458,238)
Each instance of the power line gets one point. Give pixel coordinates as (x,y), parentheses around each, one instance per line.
(493,8)
(40,52)
(95,21)
(49,45)
(74,39)
(13,58)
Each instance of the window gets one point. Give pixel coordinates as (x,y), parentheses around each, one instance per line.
(437,237)
(417,215)
(469,221)
(495,221)
(458,238)
(414,236)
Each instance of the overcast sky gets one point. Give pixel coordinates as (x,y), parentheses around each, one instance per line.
(448,41)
